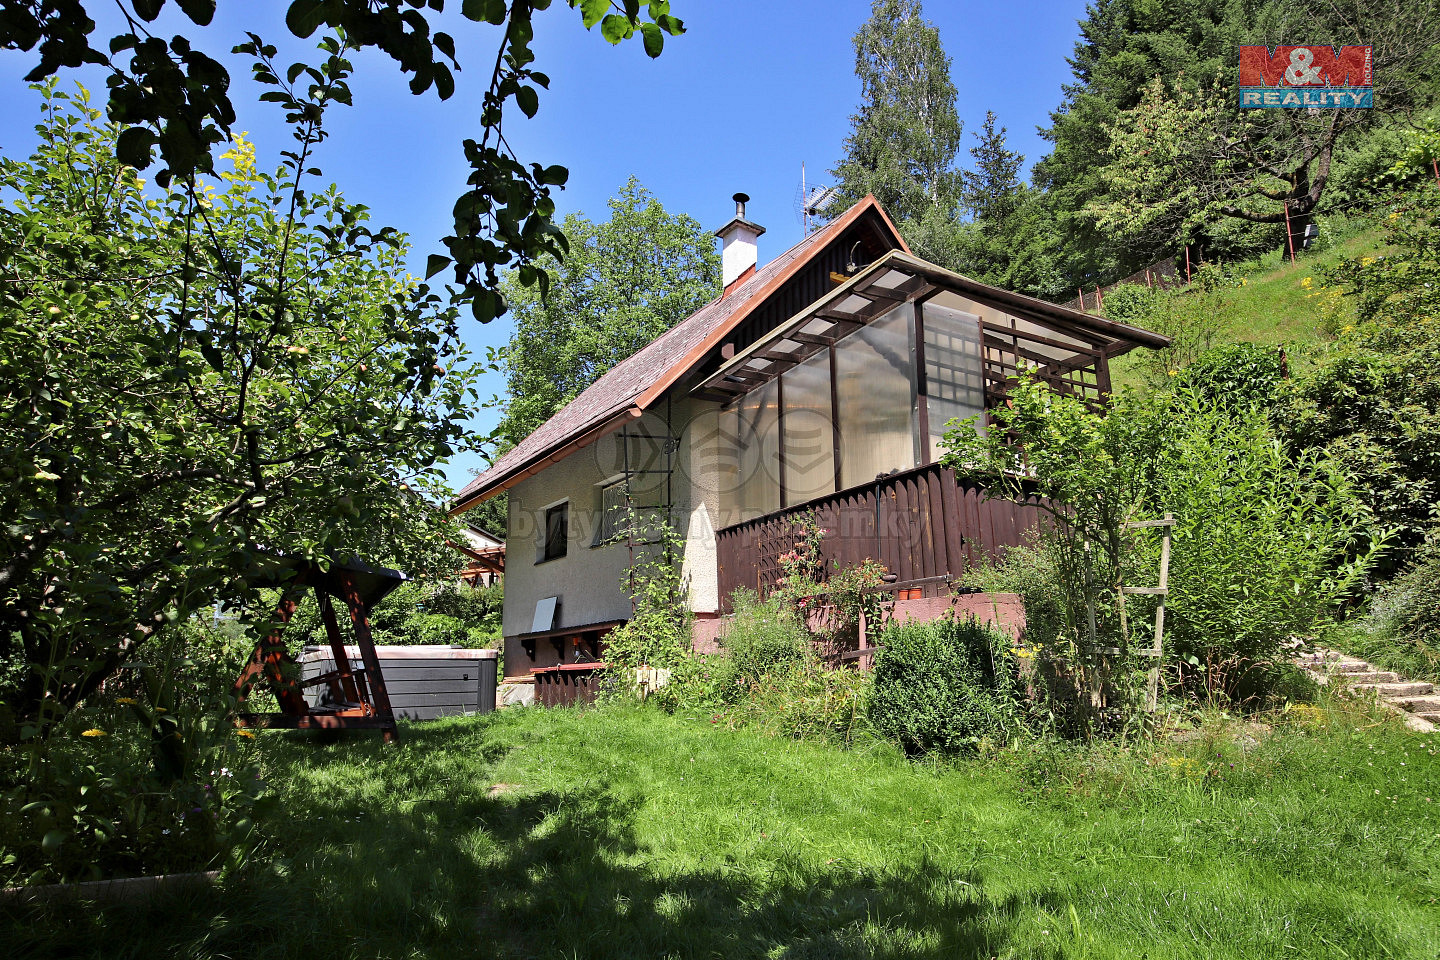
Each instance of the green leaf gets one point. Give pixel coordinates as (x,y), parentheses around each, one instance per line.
(52,841)
(616,28)
(434,264)
(148,10)
(528,100)
(133,147)
(484,11)
(591,11)
(654,39)
(304,16)
(202,11)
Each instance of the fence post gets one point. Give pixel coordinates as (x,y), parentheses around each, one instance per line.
(1289,235)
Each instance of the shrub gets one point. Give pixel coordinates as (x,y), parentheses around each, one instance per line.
(416,613)
(944,686)
(1130,303)
(1403,630)
(1374,403)
(1264,544)
(765,640)
(1236,377)
(147,776)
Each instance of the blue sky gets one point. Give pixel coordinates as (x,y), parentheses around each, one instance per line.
(752,90)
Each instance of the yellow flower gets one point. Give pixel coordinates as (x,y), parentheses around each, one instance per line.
(1307,283)
(246,733)
(93,732)
(1172,372)
(127,701)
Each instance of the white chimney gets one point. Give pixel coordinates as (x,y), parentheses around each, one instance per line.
(738,252)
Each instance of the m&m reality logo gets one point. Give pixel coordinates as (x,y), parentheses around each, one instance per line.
(1306,76)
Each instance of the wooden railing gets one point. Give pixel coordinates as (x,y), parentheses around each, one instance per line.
(924,525)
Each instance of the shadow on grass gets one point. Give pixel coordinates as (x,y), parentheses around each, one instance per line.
(370,872)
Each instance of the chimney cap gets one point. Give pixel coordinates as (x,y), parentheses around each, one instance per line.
(739,221)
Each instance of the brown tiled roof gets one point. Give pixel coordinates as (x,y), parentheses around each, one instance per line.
(654,367)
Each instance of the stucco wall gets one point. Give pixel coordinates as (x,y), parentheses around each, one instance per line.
(588,579)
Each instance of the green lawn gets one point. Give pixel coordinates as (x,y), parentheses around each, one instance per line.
(628,833)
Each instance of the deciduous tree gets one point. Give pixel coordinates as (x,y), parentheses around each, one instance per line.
(192,381)
(904,139)
(625,281)
(172,96)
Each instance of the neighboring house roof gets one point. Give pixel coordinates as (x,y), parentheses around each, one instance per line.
(634,384)
(481,539)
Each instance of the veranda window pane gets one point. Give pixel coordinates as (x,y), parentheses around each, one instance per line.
(809,436)
(954,370)
(756,429)
(875,390)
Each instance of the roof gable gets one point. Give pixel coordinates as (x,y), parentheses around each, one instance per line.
(633,385)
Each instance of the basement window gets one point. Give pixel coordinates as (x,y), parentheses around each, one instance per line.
(557,532)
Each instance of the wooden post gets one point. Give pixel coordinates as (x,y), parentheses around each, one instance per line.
(1149,282)
(1081,292)
(374,678)
(1187,264)
(345,681)
(1289,235)
(1152,676)
(270,654)
(1152,681)
(1434,165)
(1099,299)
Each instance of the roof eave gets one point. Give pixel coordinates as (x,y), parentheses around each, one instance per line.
(542,459)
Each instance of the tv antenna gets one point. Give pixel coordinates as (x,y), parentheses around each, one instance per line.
(811,200)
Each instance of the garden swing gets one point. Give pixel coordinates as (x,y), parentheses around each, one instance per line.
(357,698)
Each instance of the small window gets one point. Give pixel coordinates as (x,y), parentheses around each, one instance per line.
(614,512)
(557,531)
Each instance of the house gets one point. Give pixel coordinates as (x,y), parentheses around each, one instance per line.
(484,554)
(821,381)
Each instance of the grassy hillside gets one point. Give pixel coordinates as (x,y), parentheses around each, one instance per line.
(623,832)
(1272,306)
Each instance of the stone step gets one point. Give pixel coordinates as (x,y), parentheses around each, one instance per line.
(1337,666)
(1370,677)
(1388,690)
(1350,666)
(1421,705)
(1431,717)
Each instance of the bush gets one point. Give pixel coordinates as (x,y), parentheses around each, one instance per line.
(147,776)
(765,640)
(1402,632)
(97,805)
(1130,303)
(945,686)
(1374,403)
(1264,544)
(1236,377)
(417,613)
